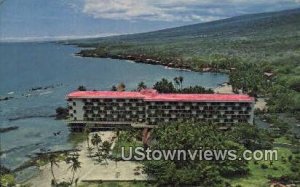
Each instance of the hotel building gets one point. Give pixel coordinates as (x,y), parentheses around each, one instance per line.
(147,108)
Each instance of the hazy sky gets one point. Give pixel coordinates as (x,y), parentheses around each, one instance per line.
(38,19)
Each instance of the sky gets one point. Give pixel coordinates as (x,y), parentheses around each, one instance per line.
(59,19)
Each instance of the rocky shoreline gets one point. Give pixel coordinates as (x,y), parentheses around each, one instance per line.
(175,63)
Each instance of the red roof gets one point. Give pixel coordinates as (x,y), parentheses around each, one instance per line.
(153,96)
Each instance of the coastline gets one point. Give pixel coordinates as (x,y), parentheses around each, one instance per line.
(168,63)
(90,169)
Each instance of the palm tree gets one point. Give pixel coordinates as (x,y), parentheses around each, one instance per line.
(180,79)
(121,87)
(176,80)
(81,88)
(96,140)
(75,165)
(106,146)
(113,88)
(53,159)
(141,86)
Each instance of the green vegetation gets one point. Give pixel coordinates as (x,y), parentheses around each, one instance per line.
(248,46)
(126,139)
(54,158)
(194,136)
(261,53)
(62,113)
(7,180)
(274,170)
(165,86)
(81,88)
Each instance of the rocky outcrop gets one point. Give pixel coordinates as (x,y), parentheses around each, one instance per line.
(145,59)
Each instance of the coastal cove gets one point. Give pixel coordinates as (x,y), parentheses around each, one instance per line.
(36,77)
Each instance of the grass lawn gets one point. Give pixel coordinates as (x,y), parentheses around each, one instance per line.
(283,140)
(259,176)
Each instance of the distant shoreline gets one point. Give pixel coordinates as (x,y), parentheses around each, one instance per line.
(168,63)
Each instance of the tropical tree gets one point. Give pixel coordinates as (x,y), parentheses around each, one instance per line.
(176,80)
(75,164)
(106,147)
(81,88)
(113,88)
(187,171)
(164,86)
(61,113)
(96,140)
(180,79)
(53,159)
(121,87)
(141,86)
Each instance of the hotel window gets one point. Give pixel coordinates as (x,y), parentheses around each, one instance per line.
(74,111)
(74,103)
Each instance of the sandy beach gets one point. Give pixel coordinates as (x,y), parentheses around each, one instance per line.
(225,88)
(90,169)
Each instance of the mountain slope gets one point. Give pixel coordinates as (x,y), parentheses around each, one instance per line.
(245,25)
(250,44)
(266,36)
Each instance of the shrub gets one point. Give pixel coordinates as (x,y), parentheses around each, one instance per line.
(7,180)
(264,166)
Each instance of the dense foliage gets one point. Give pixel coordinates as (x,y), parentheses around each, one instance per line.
(165,86)
(247,46)
(195,136)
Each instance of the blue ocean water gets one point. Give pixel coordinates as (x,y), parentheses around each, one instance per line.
(56,69)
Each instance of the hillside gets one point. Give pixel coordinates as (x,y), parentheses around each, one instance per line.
(252,44)
(263,34)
